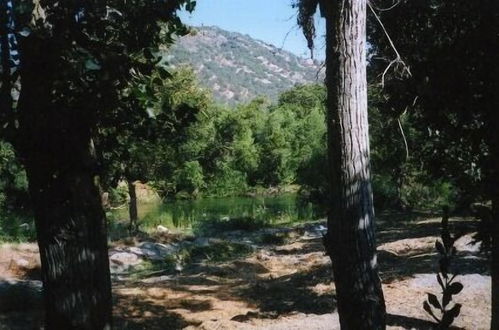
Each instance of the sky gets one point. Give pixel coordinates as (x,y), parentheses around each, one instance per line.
(272,21)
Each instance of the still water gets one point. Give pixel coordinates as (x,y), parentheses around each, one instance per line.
(184,214)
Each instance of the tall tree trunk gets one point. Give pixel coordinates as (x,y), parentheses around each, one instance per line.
(5,65)
(495,263)
(490,21)
(132,207)
(56,149)
(351,221)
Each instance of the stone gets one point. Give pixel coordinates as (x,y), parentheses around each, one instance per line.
(21,263)
(162,229)
(157,279)
(123,261)
(156,251)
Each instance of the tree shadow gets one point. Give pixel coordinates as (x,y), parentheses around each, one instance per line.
(292,293)
(412,323)
(393,226)
(138,314)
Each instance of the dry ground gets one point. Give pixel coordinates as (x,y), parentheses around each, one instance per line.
(285,286)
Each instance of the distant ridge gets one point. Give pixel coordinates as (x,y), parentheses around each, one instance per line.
(238,68)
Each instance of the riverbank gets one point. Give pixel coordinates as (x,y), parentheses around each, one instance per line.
(272,278)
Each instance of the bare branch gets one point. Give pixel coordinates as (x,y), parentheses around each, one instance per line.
(395,4)
(405,70)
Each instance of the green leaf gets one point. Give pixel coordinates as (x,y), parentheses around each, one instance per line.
(455,288)
(456,310)
(157,81)
(432,299)
(150,112)
(190,6)
(427,308)
(148,54)
(163,73)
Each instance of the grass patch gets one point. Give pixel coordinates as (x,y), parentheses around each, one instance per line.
(17,228)
(219,252)
(149,268)
(214,226)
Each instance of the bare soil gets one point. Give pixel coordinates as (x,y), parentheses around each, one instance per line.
(283,286)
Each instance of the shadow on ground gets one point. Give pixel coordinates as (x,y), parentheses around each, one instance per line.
(292,293)
(139,314)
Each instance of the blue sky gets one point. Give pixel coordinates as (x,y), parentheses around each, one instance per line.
(272,21)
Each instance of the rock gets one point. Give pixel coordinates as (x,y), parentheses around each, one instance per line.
(123,261)
(162,229)
(135,250)
(21,263)
(202,242)
(157,251)
(166,249)
(157,279)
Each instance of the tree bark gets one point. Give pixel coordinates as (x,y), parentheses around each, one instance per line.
(495,264)
(5,78)
(490,69)
(351,232)
(56,149)
(132,207)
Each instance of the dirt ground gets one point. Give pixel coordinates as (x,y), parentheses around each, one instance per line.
(280,286)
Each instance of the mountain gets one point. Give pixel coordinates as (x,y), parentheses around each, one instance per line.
(238,68)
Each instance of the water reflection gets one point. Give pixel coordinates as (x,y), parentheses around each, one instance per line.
(183,214)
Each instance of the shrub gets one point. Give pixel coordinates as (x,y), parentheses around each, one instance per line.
(450,287)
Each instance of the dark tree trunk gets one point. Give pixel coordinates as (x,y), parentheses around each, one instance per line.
(132,207)
(495,264)
(351,221)
(5,79)
(55,146)
(490,21)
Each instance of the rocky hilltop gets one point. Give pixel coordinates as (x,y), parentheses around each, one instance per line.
(238,68)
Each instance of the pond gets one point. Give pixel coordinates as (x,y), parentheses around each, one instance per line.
(185,214)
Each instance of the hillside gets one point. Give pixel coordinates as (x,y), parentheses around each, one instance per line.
(238,68)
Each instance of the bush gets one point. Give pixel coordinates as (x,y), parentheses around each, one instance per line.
(429,195)
(213,226)
(118,196)
(385,192)
(220,251)
(227,182)
(17,228)
(189,178)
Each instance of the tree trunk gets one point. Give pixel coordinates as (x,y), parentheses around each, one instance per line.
(132,207)
(56,149)
(351,222)
(5,65)
(490,21)
(495,264)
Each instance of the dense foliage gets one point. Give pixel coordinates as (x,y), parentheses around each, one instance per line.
(188,146)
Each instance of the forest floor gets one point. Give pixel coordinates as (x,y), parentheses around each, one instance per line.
(282,282)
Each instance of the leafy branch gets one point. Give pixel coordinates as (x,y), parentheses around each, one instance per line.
(450,287)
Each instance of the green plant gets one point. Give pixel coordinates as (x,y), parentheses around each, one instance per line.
(16,227)
(220,251)
(218,225)
(450,287)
